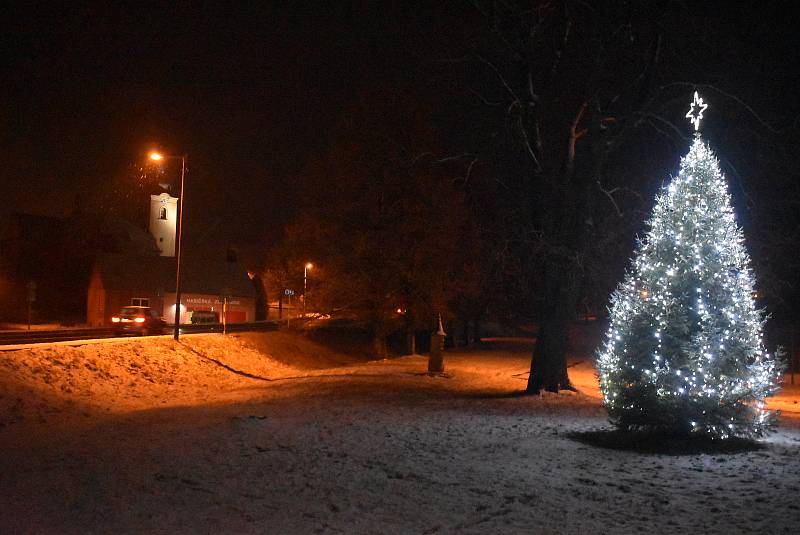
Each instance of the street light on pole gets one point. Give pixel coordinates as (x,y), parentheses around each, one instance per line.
(308,266)
(157,157)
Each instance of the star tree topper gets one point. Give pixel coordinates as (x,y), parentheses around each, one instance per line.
(696,109)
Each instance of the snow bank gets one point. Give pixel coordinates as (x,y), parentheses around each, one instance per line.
(48,382)
(213,435)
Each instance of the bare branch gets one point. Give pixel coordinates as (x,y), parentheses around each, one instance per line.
(664,133)
(452,158)
(480,9)
(573,137)
(610,195)
(511,107)
(560,51)
(468,174)
(469,169)
(531,92)
(505,186)
(483,99)
(745,106)
(679,132)
(528,145)
(499,75)
(578,118)
(442,159)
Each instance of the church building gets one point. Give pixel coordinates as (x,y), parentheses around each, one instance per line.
(207,284)
(84,267)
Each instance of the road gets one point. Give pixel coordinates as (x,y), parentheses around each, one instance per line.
(23,337)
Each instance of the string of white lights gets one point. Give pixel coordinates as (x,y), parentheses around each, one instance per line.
(684,350)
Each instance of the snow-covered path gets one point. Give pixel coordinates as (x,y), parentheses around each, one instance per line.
(382,448)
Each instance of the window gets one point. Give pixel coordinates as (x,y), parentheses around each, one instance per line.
(140,302)
(163,213)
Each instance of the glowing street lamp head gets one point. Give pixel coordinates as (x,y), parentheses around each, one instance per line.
(156,156)
(309,265)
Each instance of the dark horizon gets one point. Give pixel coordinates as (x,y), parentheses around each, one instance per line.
(253,95)
(249,94)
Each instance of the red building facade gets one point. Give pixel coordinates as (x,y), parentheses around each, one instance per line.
(207,286)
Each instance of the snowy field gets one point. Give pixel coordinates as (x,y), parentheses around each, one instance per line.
(279,435)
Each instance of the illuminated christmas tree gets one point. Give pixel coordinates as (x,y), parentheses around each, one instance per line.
(684,351)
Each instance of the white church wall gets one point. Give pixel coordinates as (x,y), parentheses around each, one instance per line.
(164,222)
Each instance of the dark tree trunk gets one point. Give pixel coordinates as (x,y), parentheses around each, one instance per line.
(566,110)
(565,224)
(548,362)
(409,334)
(379,347)
(411,342)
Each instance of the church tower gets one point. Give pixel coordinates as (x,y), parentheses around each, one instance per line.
(164,222)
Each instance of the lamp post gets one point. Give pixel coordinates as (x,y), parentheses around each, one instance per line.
(157,157)
(308,266)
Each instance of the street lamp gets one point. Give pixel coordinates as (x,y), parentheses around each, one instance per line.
(305,283)
(157,157)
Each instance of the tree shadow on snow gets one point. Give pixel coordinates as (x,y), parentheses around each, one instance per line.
(663,444)
(488,395)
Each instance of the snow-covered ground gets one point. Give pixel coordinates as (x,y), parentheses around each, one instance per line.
(271,433)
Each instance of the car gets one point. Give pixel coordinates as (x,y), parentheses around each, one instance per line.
(204,316)
(138,320)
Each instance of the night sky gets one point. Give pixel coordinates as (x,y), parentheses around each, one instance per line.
(249,92)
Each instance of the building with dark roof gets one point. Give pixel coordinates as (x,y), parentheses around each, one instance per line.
(206,285)
(85,267)
(55,255)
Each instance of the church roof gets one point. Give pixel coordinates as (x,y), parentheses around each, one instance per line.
(147,273)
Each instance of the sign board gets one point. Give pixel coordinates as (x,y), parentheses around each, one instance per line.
(287,291)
